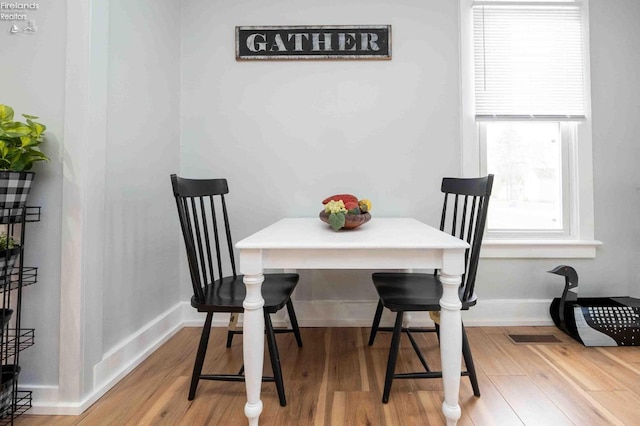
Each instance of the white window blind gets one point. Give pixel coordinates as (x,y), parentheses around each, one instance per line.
(528,60)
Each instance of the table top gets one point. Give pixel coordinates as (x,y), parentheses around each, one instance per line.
(378,233)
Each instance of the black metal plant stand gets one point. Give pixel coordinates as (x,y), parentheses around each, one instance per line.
(14,338)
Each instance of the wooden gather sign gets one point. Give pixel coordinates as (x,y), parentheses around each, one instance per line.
(314,42)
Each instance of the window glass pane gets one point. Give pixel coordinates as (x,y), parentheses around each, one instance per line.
(526,159)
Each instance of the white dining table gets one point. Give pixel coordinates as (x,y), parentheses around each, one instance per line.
(380,244)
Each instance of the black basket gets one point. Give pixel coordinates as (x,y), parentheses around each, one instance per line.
(5,316)
(14,189)
(9,377)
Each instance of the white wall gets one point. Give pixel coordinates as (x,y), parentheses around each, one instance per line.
(32,82)
(615,61)
(289,133)
(143,149)
(286,134)
(128,270)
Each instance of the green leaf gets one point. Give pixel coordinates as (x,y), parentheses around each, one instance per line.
(18,164)
(37,156)
(36,128)
(7,241)
(336,220)
(6,113)
(19,141)
(16,129)
(27,141)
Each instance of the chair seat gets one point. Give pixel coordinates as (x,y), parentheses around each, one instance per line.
(230,292)
(401,291)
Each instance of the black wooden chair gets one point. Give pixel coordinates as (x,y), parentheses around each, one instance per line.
(464,215)
(216,285)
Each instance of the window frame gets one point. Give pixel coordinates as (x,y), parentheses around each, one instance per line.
(579,241)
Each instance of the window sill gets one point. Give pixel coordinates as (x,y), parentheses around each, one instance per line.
(539,249)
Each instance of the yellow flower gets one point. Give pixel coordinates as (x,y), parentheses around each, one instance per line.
(335,207)
(365,205)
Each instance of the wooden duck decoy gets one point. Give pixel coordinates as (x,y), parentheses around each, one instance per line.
(595,321)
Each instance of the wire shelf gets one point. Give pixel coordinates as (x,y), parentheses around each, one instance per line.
(29,276)
(22,404)
(17,339)
(15,276)
(31,214)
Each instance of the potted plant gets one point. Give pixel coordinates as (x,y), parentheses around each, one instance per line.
(9,252)
(18,152)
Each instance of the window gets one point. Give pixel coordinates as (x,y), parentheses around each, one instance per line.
(527,161)
(526,120)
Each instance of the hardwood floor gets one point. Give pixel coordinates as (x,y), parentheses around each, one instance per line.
(336,380)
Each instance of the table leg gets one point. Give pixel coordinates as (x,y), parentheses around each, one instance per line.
(450,346)
(253,345)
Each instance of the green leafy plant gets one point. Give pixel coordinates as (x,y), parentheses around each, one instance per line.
(7,242)
(19,141)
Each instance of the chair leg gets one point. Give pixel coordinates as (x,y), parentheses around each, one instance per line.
(376,323)
(468,361)
(275,359)
(393,357)
(202,350)
(294,322)
(233,325)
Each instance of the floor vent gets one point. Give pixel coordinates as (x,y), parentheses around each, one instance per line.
(525,339)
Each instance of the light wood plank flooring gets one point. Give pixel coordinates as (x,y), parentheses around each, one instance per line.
(336,379)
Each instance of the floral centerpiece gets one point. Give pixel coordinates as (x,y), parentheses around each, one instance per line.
(345,211)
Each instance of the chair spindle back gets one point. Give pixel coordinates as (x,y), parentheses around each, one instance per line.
(464,215)
(200,203)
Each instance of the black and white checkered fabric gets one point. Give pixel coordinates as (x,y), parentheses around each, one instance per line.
(14,189)
(8,260)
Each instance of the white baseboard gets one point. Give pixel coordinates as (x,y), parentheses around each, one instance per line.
(115,364)
(121,360)
(47,399)
(508,312)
